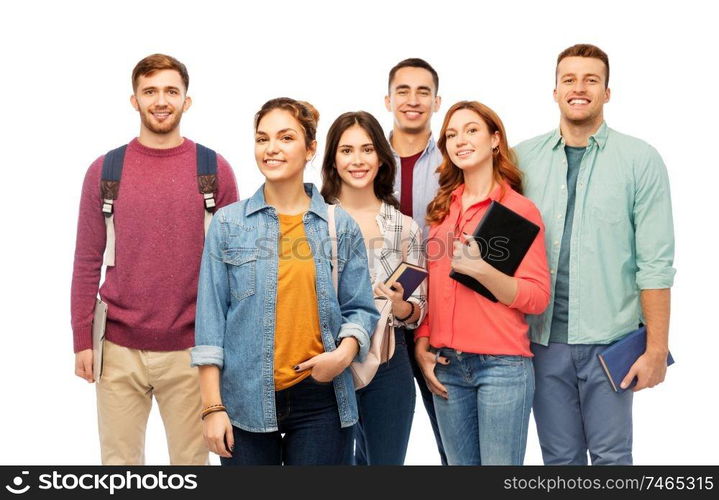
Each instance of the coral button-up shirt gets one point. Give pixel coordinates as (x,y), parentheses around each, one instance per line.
(460,318)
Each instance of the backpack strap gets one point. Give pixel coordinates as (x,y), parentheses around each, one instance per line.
(109,190)
(207,180)
(333,243)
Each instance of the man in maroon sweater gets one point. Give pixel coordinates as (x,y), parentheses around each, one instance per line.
(151,289)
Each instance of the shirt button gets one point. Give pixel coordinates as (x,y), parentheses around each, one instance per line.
(561,187)
(581,184)
(556,243)
(559,216)
(552,271)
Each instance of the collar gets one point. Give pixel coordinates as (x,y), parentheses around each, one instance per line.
(494,195)
(317,204)
(599,137)
(429,148)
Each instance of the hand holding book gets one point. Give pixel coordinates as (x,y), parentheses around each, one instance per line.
(508,237)
(408,276)
(630,362)
(395,293)
(467,260)
(648,370)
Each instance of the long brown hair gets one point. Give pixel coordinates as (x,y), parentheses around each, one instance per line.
(504,165)
(383,182)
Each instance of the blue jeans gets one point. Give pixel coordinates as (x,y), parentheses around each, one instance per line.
(307,416)
(576,409)
(386,408)
(485,419)
(427,397)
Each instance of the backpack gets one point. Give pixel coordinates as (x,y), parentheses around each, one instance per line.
(110,189)
(382,341)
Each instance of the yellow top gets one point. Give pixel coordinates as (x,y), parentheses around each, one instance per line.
(297,321)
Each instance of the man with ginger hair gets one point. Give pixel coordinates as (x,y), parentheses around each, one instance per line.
(157,214)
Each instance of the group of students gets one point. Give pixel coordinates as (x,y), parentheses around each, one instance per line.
(272,305)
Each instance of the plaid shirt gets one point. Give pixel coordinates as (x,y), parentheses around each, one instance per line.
(389,220)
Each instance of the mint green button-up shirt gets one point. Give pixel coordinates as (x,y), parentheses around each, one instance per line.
(622,235)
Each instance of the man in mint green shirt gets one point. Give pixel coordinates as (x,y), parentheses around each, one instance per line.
(604,198)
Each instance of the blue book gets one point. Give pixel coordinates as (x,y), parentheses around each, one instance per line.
(409,276)
(618,358)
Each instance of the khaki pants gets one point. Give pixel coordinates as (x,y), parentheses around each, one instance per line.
(130,378)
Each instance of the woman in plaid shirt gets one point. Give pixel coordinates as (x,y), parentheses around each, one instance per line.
(358,172)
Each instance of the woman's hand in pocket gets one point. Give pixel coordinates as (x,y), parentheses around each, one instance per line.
(427,361)
(328,365)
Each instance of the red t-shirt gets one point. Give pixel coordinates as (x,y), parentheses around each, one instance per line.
(407,165)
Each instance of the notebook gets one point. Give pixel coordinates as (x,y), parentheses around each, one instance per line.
(504,237)
(618,358)
(98,337)
(409,276)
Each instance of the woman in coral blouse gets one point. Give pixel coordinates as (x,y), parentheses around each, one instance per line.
(474,353)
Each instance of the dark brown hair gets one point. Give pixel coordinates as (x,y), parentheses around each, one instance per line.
(304,112)
(158,62)
(584,50)
(413,62)
(504,164)
(383,182)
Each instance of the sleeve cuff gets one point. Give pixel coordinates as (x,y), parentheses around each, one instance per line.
(656,280)
(82,338)
(207,355)
(521,297)
(359,333)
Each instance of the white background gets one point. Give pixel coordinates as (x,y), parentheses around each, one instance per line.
(64,89)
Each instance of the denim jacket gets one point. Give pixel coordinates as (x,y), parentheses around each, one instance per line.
(235,324)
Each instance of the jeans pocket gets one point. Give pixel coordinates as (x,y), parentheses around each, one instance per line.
(242,270)
(505,359)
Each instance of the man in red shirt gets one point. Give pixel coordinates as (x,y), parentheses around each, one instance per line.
(412,99)
(150,286)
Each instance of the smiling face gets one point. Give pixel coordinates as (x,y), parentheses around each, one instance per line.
(468,140)
(280,150)
(356,159)
(581,90)
(412,99)
(160,99)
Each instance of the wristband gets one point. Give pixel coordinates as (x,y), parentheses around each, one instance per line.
(411,312)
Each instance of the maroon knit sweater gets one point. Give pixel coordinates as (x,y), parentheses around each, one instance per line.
(152,289)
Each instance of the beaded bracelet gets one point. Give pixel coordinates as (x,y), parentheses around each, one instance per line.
(212,409)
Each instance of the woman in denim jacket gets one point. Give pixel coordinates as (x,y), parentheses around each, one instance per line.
(358,172)
(273,338)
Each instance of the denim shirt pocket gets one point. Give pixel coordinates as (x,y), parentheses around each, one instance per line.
(242,270)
